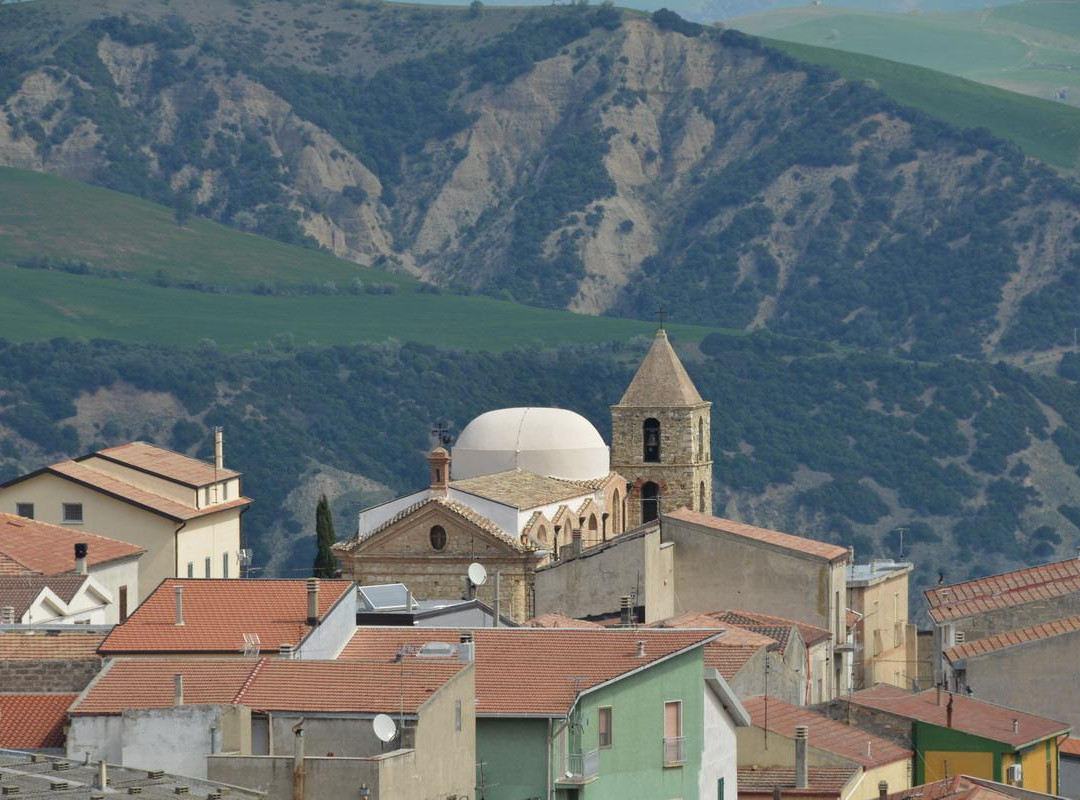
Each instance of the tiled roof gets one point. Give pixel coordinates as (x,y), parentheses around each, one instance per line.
(592,484)
(661,380)
(729,653)
(76,645)
(137,496)
(33,721)
(559,621)
(519,488)
(959,787)
(1000,641)
(164,463)
(865,749)
(810,547)
(764,624)
(824,781)
(20,591)
(564,661)
(462,510)
(1029,585)
(269,684)
(1070,747)
(972,716)
(217,614)
(50,549)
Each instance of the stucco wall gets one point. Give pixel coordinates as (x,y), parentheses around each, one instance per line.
(323,778)
(115,575)
(718,758)
(1069,777)
(333,633)
(176,740)
(882,632)
(350,737)
(511,758)
(96,738)
(214,536)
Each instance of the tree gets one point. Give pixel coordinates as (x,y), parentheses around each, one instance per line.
(183,206)
(476,9)
(326,563)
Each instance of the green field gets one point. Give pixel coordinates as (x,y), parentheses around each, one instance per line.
(1048,131)
(45,216)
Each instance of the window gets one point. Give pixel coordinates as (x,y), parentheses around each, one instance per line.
(457,715)
(437,536)
(224,490)
(673,738)
(701,497)
(25,510)
(650,437)
(206,567)
(650,502)
(123,603)
(72,512)
(720,789)
(616,507)
(701,438)
(604,719)
(191,569)
(206,496)
(224,565)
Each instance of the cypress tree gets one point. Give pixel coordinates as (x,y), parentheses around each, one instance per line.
(326,563)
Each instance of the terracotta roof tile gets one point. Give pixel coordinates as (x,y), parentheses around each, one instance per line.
(1070,747)
(559,621)
(50,549)
(865,749)
(810,547)
(959,787)
(519,488)
(568,660)
(729,653)
(763,623)
(33,721)
(824,781)
(1001,641)
(976,717)
(1029,585)
(217,614)
(592,484)
(20,591)
(269,684)
(164,463)
(137,496)
(36,646)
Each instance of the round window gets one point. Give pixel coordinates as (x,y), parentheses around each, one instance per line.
(438,537)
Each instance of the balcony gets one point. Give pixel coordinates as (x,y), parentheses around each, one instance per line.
(580,767)
(674,751)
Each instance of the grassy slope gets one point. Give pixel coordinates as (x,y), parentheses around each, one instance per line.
(1045,130)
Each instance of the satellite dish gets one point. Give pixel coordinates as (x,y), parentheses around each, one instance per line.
(385,728)
(477,574)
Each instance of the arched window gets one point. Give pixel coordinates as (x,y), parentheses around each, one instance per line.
(616,507)
(541,534)
(701,438)
(701,497)
(594,530)
(650,502)
(650,437)
(437,535)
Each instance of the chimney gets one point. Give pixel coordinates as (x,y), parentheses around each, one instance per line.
(179,605)
(312,601)
(802,768)
(777,793)
(285,650)
(465,637)
(882,789)
(439,465)
(938,694)
(219,449)
(7,615)
(178,690)
(576,548)
(641,648)
(1016,726)
(102,776)
(948,713)
(626,610)
(81,549)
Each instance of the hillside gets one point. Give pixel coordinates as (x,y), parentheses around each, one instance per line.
(568,157)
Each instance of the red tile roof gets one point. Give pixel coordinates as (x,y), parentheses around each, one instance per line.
(847,741)
(824,781)
(33,721)
(36,646)
(217,614)
(122,490)
(959,787)
(1029,585)
(559,621)
(1070,747)
(164,463)
(20,591)
(563,660)
(731,651)
(50,549)
(810,547)
(268,684)
(976,717)
(1001,641)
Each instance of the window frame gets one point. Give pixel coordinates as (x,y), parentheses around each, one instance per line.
(21,507)
(224,565)
(445,538)
(208,566)
(600,727)
(67,519)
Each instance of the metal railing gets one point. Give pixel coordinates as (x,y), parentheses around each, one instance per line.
(582,766)
(674,751)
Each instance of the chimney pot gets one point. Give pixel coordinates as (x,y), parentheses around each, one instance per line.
(179,605)
(883,789)
(626,610)
(219,449)
(802,766)
(641,648)
(178,689)
(81,549)
(1016,726)
(7,615)
(312,601)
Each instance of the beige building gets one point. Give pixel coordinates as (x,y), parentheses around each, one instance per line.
(660,433)
(184,512)
(885,642)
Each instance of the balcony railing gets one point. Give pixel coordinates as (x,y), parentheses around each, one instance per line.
(581,767)
(674,751)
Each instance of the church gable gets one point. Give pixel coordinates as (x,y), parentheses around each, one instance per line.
(437,529)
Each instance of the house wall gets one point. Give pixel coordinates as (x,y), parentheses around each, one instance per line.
(718,757)
(323,777)
(820,663)
(177,739)
(103,515)
(48,675)
(87,607)
(115,575)
(882,632)
(942,752)
(327,640)
(1028,676)
(511,758)
(96,738)
(214,536)
(1069,776)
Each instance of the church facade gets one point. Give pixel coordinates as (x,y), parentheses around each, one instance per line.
(526,486)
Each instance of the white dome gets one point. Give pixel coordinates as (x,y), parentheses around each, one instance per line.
(547,441)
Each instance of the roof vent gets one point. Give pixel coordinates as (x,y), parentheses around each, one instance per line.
(7,615)
(436,650)
(626,610)
(641,648)
(81,549)
(179,605)
(312,601)
(1016,726)
(802,765)
(961,637)
(286,650)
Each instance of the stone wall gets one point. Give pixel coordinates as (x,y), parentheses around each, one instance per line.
(887,726)
(48,675)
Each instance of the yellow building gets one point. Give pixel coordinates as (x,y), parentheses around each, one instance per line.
(184,512)
(885,643)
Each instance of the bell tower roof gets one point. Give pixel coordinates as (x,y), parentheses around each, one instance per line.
(661,380)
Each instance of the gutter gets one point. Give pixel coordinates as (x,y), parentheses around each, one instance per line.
(176,549)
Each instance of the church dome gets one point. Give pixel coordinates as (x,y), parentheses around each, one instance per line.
(547,441)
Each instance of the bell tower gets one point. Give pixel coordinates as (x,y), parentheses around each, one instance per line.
(660,438)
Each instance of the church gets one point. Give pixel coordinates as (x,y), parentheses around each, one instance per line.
(524,487)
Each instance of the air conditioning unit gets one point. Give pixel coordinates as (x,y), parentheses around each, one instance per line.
(1014,775)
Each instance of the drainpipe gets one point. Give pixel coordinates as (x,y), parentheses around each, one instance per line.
(497,605)
(547,772)
(298,761)
(176,549)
